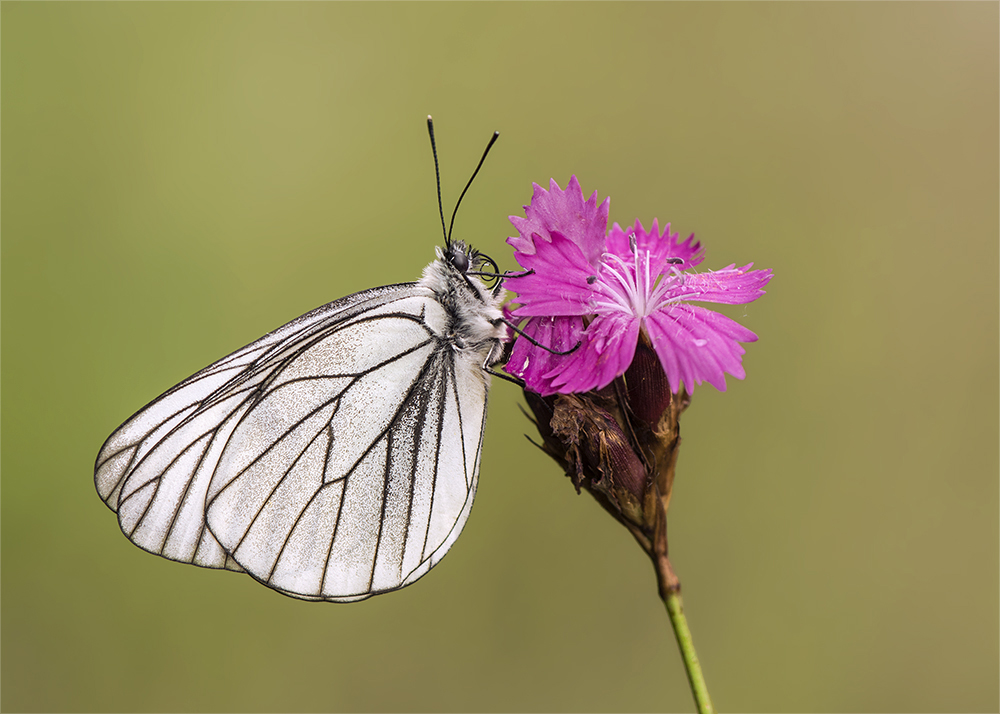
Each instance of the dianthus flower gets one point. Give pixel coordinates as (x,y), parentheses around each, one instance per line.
(607,290)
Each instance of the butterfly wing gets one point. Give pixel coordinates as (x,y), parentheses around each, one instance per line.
(334,458)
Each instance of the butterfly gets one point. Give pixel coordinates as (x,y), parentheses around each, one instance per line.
(336,457)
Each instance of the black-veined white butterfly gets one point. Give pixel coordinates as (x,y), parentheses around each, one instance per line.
(334,458)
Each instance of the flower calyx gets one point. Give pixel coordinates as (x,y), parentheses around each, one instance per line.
(620,443)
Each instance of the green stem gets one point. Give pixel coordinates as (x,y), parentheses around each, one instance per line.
(672,599)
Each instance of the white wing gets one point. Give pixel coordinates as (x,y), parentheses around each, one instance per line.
(335,458)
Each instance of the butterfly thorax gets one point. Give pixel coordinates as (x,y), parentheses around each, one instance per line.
(476,321)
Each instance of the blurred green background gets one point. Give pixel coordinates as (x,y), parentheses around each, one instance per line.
(178,179)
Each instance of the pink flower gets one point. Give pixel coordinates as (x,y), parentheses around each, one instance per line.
(608,289)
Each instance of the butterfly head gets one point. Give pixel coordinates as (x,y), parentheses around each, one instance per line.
(460,256)
(464,259)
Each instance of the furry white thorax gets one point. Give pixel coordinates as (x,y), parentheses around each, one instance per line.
(477,319)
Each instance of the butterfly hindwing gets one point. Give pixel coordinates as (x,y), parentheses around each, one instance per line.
(158,469)
(349,473)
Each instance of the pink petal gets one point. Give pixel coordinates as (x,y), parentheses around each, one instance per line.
(730,286)
(607,350)
(697,345)
(663,247)
(555,210)
(530,362)
(689,250)
(559,284)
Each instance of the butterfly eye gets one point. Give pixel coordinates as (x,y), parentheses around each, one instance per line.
(459,259)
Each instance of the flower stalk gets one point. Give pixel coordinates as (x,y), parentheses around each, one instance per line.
(691,665)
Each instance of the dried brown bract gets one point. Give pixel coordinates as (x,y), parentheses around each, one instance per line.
(620,443)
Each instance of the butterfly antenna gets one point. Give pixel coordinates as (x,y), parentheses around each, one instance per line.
(493,140)
(437,176)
